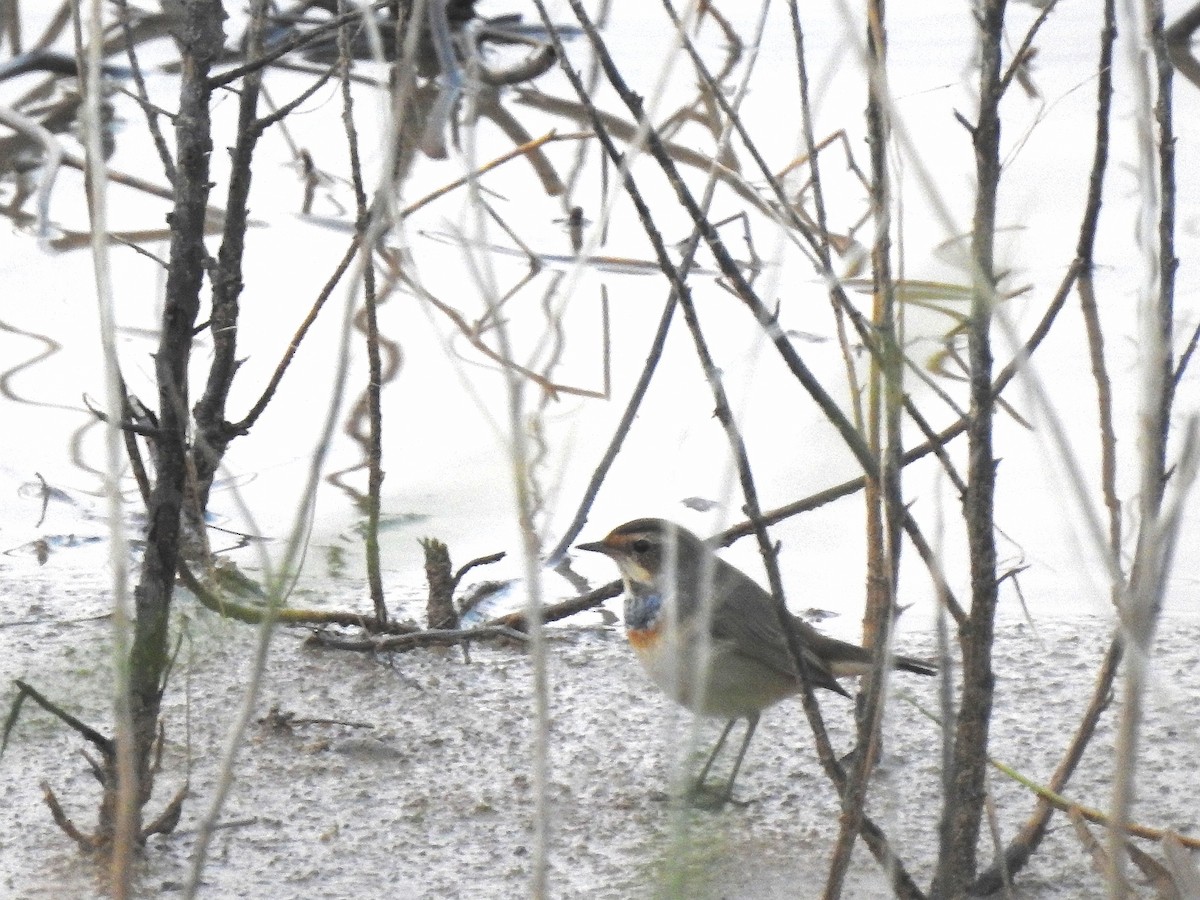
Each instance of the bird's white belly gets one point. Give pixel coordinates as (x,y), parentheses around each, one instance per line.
(674,672)
(713,680)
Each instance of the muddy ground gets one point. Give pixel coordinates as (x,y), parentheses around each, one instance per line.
(420,786)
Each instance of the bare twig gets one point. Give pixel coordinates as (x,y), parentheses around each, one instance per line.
(520,620)
(653,355)
(962,805)
(256,615)
(105,745)
(1093,815)
(151,112)
(374,387)
(479,561)
(264,399)
(1032,832)
(884,499)
(317,33)
(1141,604)
(85,841)
(433,637)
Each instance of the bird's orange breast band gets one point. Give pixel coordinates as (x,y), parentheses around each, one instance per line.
(644,638)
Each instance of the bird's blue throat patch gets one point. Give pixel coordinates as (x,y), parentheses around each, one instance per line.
(642,610)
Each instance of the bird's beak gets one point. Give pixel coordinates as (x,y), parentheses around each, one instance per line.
(595,547)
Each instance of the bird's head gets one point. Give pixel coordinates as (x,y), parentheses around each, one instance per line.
(645,550)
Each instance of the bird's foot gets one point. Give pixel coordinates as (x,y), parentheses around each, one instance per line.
(707,797)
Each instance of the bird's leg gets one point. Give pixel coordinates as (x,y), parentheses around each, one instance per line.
(715,752)
(751,724)
(701,796)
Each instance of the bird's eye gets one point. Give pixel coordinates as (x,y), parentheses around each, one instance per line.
(641,545)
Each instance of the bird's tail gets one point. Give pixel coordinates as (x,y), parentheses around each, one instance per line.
(860,664)
(912,664)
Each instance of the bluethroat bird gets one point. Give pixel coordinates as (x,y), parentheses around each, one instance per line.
(744,666)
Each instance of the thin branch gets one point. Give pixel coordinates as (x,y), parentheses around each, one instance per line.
(552,613)
(1019,55)
(256,615)
(479,561)
(620,432)
(151,112)
(374,388)
(320,32)
(105,745)
(264,399)
(433,637)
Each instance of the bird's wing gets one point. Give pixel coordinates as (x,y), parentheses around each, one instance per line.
(745,617)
